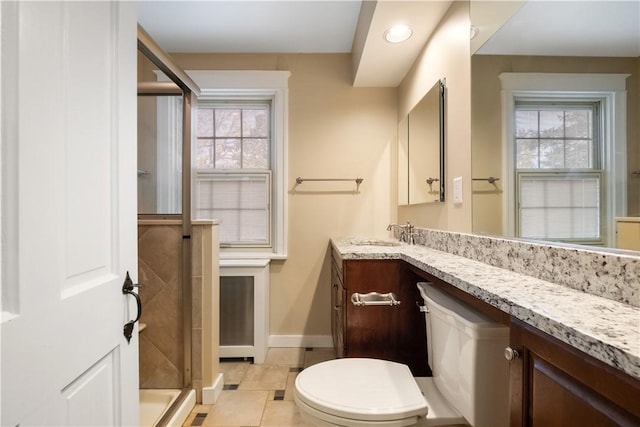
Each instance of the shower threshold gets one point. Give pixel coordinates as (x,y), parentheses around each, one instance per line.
(165,407)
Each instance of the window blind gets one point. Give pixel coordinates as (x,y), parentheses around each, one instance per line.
(240,201)
(560,206)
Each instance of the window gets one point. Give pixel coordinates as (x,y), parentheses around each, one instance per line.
(233,176)
(233,136)
(558,174)
(564,155)
(239,159)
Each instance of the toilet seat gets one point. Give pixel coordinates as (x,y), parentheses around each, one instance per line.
(360,391)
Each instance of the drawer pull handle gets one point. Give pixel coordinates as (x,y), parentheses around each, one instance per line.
(374,298)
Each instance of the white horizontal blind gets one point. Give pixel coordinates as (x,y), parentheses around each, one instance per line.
(240,200)
(560,206)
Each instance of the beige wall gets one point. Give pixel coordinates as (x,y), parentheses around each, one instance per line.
(446,55)
(335,131)
(487,123)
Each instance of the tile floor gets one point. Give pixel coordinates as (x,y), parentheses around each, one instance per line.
(259,394)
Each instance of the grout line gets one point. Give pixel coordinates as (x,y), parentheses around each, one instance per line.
(199,419)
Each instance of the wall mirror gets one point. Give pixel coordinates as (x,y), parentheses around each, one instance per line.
(534,37)
(421,150)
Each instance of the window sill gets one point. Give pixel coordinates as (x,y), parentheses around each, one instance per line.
(228,255)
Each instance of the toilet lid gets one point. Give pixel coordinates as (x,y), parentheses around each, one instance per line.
(362,389)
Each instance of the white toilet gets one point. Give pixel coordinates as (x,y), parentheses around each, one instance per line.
(470,384)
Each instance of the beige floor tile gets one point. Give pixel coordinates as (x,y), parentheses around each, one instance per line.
(285,356)
(265,377)
(282,414)
(291,379)
(233,372)
(318,355)
(189,420)
(237,408)
(202,409)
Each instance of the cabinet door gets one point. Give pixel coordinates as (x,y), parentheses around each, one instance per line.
(553,384)
(395,333)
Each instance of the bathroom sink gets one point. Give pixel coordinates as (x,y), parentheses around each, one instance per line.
(372,242)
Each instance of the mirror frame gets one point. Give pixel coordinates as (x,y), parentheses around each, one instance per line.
(404,159)
(442,86)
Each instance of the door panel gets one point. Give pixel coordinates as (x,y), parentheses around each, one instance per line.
(69,134)
(91,398)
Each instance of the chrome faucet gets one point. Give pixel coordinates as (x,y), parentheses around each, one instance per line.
(407,232)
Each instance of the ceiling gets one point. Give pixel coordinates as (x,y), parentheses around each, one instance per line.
(298,26)
(534,27)
(559,28)
(224,26)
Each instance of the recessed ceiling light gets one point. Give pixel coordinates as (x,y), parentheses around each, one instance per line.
(398,33)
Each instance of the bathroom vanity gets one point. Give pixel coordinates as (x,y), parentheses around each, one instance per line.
(575,357)
(393,331)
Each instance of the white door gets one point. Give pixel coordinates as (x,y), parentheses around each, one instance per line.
(68,213)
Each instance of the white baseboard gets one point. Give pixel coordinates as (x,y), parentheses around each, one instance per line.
(318,341)
(211,394)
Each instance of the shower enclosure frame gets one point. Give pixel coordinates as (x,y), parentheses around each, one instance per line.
(181,84)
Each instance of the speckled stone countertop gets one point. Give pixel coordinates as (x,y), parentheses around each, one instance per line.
(605,329)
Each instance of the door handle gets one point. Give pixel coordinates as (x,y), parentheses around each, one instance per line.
(127,289)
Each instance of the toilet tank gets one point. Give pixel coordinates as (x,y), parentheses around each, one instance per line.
(466,356)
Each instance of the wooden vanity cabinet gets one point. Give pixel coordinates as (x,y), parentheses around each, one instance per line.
(338,314)
(554,384)
(395,333)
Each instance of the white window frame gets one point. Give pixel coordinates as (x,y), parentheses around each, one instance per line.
(610,90)
(251,85)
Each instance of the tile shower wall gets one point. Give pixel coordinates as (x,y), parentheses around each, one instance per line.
(160,278)
(609,275)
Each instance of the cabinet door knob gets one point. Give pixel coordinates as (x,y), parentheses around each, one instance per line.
(511,354)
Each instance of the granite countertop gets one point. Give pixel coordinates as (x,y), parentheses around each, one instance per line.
(605,329)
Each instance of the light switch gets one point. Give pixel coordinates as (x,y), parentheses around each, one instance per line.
(457,190)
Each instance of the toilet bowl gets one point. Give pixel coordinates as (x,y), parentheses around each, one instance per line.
(469,384)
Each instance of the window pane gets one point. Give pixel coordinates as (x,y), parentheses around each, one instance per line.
(586,223)
(532,223)
(205,122)
(551,154)
(526,153)
(255,154)
(578,124)
(578,154)
(526,124)
(557,192)
(227,153)
(240,201)
(566,207)
(255,123)
(558,223)
(228,122)
(204,154)
(551,124)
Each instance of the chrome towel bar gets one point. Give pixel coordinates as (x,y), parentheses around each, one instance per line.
(490,180)
(357,180)
(374,298)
